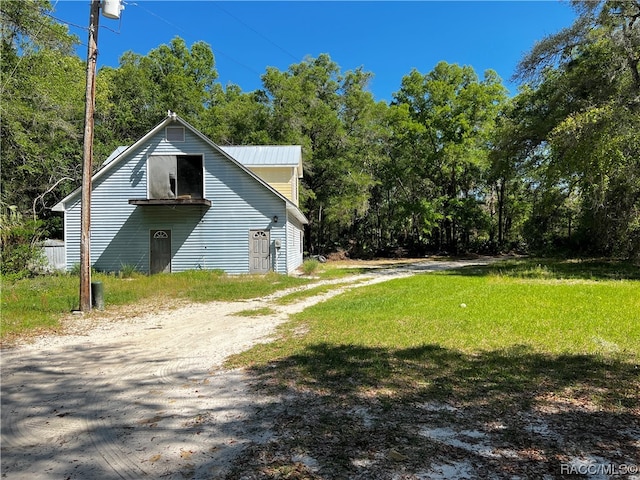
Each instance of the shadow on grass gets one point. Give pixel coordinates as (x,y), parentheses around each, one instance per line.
(558,269)
(345,411)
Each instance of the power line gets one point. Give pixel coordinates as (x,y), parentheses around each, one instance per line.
(81,27)
(59,20)
(15,68)
(180,29)
(256,32)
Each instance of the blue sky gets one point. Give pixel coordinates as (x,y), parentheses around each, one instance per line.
(386,38)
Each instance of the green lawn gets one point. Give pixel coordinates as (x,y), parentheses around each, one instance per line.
(38,304)
(503,372)
(483,309)
(474,314)
(519,324)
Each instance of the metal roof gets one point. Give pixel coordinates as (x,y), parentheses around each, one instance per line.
(266,155)
(115,154)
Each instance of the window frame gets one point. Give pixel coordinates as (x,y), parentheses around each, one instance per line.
(173,175)
(174,128)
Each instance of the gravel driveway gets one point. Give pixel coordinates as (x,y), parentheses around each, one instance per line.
(143,397)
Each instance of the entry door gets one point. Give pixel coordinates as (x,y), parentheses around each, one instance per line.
(160,251)
(259,251)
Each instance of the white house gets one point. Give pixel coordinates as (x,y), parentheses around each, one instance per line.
(176,201)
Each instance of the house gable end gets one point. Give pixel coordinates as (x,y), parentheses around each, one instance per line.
(155,142)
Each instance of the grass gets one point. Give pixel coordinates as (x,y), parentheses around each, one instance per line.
(331,271)
(37,305)
(310,292)
(540,356)
(541,362)
(497,319)
(474,313)
(256,312)
(310,265)
(565,269)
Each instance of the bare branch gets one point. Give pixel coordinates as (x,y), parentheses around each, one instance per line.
(41,196)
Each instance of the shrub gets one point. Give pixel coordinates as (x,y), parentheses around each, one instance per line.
(127,270)
(309,266)
(21,254)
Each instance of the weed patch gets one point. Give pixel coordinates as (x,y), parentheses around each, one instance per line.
(255,312)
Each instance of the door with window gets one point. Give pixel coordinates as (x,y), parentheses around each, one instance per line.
(160,251)
(259,254)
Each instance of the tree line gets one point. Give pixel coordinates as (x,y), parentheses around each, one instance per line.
(452,164)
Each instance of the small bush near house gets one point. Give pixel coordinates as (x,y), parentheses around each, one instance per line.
(310,266)
(127,271)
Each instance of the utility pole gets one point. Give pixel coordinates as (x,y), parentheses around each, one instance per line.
(87,160)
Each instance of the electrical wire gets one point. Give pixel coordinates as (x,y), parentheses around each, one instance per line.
(217,51)
(255,31)
(15,68)
(59,20)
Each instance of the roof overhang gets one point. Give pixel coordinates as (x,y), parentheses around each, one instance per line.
(296,213)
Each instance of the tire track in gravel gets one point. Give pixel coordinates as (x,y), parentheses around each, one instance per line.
(139,398)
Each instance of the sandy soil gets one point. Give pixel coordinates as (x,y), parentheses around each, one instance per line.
(144,396)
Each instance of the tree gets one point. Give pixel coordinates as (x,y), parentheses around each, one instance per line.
(144,87)
(313,104)
(592,121)
(41,100)
(457,111)
(237,118)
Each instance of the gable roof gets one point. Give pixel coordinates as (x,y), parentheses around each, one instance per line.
(123,152)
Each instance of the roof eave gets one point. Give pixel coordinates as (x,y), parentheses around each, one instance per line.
(295,211)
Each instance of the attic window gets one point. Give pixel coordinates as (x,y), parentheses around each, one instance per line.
(175,134)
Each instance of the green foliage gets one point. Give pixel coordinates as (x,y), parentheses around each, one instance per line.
(21,254)
(453,114)
(127,271)
(449,164)
(236,118)
(41,98)
(139,92)
(310,265)
(578,130)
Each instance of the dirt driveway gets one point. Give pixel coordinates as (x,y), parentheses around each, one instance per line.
(145,397)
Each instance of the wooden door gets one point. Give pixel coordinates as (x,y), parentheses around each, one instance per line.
(259,251)
(160,251)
